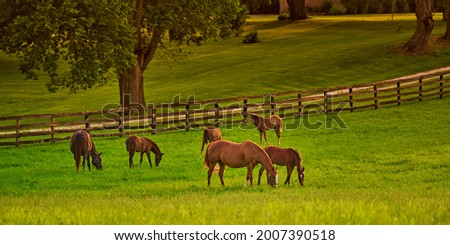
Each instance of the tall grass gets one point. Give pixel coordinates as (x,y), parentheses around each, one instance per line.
(390,166)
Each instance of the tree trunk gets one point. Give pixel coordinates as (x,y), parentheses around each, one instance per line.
(131,85)
(297,9)
(418,44)
(447,32)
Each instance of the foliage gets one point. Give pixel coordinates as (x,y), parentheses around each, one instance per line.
(251,37)
(91,37)
(337,9)
(97,38)
(390,166)
(238,23)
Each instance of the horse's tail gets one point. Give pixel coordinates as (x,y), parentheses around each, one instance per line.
(204,139)
(281,125)
(206,159)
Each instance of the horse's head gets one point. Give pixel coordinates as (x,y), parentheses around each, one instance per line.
(158,158)
(97,160)
(301,176)
(272,177)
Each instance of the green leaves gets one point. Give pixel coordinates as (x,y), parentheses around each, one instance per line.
(78,44)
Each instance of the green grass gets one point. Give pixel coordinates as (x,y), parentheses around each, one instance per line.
(390,166)
(324,51)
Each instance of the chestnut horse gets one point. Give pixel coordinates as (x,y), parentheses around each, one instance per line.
(82,145)
(264,124)
(238,155)
(288,157)
(143,145)
(210,134)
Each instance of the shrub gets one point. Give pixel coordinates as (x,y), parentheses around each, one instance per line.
(241,18)
(282,17)
(337,9)
(252,37)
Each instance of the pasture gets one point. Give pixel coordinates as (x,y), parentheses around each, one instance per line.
(390,166)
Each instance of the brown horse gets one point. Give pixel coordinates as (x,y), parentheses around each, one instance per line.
(143,145)
(246,154)
(264,124)
(288,157)
(210,134)
(82,145)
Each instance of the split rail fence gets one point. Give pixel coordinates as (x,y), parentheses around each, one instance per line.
(39,128)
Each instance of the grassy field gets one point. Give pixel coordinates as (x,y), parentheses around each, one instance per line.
(323,51)
(389,166)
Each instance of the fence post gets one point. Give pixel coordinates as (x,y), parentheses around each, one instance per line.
(325,101)
(350,91)
(187,117)
(398,93)
(52,129)
(216,114)
(441,86)
(299,96)
(153,125)
(420,90)
(375,95)
(272,105)
(121,126)
(245,110)
(17,131)
(87,123)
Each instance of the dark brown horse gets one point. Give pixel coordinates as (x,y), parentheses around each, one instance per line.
(82,145)
(288,157)
(143,145)
(234,155)
(210,134)
(264,124)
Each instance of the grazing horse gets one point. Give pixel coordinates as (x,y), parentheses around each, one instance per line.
(288,157)
(143,145)
(238,155)
(82,145)
(210,134)
(264,124)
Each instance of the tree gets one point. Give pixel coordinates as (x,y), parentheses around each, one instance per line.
(98,40)
(418,43)
(297,9)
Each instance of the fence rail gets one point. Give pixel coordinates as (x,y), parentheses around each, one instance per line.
(39,128)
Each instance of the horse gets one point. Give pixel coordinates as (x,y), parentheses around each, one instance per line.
(143,145)
(210,134)
(238,155)
(82,145)
(288,157)
(264,124)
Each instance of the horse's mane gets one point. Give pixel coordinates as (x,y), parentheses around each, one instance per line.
(156,146)
(298,158)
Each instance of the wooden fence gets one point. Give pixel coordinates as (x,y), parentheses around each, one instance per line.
(38,128)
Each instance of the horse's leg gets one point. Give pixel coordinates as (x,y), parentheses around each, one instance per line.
(221,170)
(265,137)
(210,171)
(149,158)
(140,161)
(261,171)
(77,161)
(260,137)
(277,130)
(289,169)
(89,161)
(130,159)
(249,174)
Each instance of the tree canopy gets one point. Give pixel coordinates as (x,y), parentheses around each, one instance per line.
(81,44)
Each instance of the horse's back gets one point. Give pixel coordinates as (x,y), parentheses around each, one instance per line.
(282,156)
(80,142)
